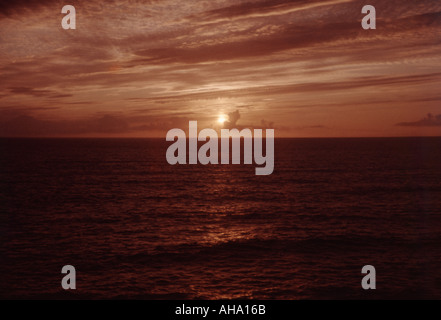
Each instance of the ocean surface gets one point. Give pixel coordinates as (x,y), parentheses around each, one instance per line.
(136,227)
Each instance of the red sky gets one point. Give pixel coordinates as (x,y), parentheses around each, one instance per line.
(140,68)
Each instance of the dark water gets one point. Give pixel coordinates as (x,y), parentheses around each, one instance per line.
(136,227)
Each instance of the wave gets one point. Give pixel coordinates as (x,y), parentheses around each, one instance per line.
(257,247)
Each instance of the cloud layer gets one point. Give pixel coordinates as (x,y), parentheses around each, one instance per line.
(143,67)
(429,121)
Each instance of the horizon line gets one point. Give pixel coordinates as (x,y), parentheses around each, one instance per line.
(159,138)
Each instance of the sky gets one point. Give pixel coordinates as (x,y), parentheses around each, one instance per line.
(140,68)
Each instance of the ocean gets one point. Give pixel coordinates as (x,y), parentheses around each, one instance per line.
(135,227)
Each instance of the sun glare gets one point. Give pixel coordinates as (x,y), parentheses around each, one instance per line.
(221,119)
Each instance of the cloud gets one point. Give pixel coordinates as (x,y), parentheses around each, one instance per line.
(160,124)
(259,9)
(291,37)
(18,6)
(37,93)
(29,126)
(293,62)
(429,121)
(18,122)
(266,124)
(233,117)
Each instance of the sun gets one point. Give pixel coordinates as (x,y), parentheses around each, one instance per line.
(221,119)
